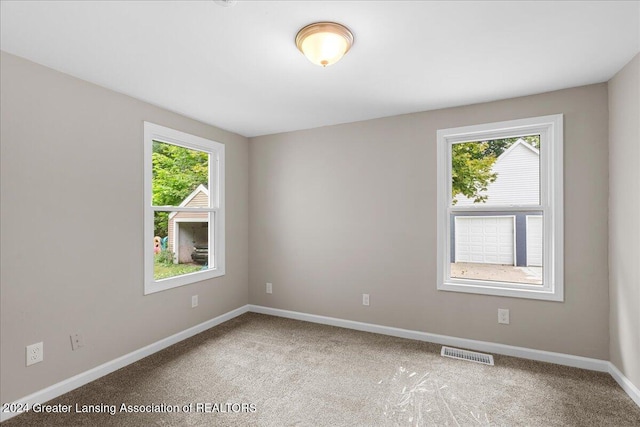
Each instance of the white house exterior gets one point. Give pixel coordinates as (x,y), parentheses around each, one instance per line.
(507,238)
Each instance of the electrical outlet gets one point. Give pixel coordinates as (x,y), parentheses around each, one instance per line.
(35,353)
(76,341)
(365,299)
(194,301)
(503,316)
(269,288)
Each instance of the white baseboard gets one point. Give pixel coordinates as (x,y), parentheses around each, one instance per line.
(86,377)
(625,383)
(507,350)
(522,352)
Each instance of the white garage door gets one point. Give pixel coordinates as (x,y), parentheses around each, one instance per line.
(485,239)
(534,240)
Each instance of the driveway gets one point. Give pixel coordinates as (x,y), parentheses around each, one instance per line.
(497,272)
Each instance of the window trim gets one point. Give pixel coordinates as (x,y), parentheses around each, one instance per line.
(215,209)
(550,129)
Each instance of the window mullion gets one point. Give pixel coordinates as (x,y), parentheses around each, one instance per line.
(521,208)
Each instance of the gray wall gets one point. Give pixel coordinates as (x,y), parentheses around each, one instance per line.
(349,209)
(624,229)
(72,244)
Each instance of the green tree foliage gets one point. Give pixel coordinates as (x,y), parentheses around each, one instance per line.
(471,164)
(177,171)
(471,170)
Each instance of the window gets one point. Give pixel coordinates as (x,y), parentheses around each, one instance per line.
(500,213)
(183,208)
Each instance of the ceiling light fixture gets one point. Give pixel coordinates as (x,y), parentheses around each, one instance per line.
(225,3)
(324,43)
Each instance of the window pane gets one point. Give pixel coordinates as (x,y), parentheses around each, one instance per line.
(497,246)
(180,176)
(497,172)
(181,243)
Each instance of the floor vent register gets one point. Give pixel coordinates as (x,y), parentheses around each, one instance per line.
(471,356)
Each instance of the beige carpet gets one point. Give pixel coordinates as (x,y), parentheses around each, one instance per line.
(268,371)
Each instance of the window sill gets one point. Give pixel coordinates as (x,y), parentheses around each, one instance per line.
(512,290)
(182,280)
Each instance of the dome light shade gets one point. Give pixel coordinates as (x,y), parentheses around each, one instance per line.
(324,43)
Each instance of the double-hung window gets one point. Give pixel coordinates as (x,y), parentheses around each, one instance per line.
(500,212)
(184,231)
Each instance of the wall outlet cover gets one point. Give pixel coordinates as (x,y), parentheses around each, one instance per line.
(35,353)
(503,316)
(76,342)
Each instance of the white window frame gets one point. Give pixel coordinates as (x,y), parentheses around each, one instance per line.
(216,208)
(550,129)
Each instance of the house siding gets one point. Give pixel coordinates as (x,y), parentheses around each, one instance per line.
(200,200)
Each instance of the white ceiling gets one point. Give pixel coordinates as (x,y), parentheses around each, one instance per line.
(238,67)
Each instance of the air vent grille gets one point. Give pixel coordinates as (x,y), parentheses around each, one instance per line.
(471,356)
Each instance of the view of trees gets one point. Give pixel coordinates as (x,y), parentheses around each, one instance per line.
(471,164)
(177,171)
